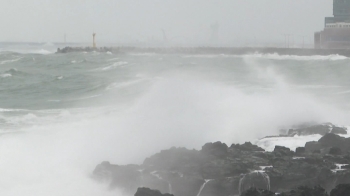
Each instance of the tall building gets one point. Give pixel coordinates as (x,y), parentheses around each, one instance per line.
(336,33)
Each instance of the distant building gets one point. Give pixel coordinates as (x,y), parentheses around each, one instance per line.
(336,33)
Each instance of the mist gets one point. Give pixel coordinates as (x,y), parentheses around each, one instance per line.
(62,114)
(185,23)
(181,107)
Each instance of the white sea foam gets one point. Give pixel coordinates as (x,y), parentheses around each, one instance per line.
(114,65)
(290,142)
(5,75)
(115,85)
(10,61)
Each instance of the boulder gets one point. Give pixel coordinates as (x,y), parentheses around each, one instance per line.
(247,147)
(150,192)
(216,149)
(282,151)
(341,190)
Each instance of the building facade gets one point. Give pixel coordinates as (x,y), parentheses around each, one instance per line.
(336,33)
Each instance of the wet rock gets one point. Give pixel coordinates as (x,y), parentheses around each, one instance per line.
(216,149)
(150,192)
(257,192)
(335,151)
(300,150)
(183,172)
(306,191)
(341,190)
(328,141)
(282,151)
(177,159)
(247,147)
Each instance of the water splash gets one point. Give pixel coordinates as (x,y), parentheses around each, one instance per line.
(339,168)
(170,188)
(250,180)
(202,187)
(155,173)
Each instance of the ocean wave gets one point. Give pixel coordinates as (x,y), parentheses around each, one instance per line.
(10,61)
(114,65)
(290,142)
(11,110)
(29,51)
(6,75)
(123,84)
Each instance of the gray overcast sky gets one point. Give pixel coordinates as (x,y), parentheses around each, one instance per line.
(125,21)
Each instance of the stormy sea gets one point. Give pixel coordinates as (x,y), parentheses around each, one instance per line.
(63,114)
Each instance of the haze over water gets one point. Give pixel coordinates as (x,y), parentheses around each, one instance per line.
(62,114)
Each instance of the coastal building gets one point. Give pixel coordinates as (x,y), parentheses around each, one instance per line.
(336,33)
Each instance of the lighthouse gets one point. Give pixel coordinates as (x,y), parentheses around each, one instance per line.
(94,40)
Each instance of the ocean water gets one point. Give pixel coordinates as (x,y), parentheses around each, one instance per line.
(62,114)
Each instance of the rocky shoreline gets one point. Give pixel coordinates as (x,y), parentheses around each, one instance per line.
(240,169)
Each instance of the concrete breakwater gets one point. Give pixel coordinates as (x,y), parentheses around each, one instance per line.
(211,50)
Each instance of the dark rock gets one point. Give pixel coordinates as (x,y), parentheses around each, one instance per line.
(300,150)
(282,151)
(247,147)
(328,141)
(150,192)
(312,146)
(257,192)
(183,172)
(216,149)
(316,151)
(306,191)
(177,159)
(341,190)
(339,130)
(335,151)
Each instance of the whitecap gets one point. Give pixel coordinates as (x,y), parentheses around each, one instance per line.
(114,65)
(10,61)
(122,84)
(290,142)
(6,75)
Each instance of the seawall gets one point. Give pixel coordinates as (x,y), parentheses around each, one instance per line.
(212,50)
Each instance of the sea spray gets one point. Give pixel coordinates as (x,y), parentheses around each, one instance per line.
(257,179)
